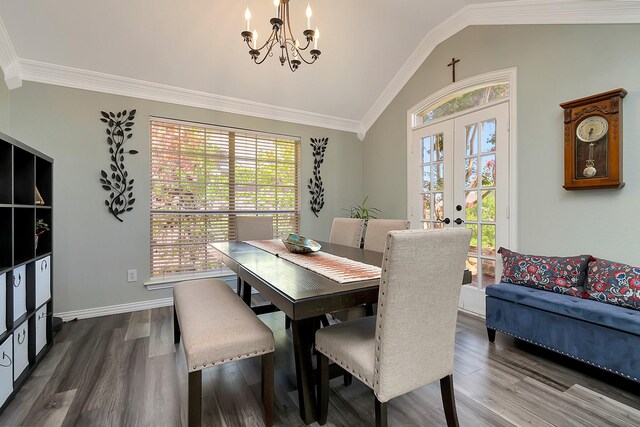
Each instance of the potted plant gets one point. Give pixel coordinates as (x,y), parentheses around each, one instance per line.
(41,227)
(362,211)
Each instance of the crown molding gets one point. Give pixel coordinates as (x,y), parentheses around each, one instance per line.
(59,75)
(519,12)
(9,60)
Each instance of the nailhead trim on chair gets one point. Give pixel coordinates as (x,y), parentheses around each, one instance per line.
(383,290)
(563,353)
(248,355)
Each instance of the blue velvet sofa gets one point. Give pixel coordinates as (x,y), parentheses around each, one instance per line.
(600,334)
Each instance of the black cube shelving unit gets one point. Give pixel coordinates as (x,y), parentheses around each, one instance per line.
(25,263)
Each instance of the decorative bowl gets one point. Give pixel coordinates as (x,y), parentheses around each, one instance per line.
(300,245)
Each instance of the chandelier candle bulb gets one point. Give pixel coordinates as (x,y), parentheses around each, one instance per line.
(247,16)
(276,3)
(308,16)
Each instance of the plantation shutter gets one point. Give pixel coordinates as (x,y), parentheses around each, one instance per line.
(202,177)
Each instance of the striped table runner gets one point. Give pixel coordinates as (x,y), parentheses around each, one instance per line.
(337,268)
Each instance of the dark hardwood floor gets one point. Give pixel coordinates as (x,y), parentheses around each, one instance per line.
(124,370)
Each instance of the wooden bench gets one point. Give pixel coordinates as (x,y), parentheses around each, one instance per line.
(218,327)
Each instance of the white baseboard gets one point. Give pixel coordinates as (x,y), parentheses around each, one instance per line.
(88,313)
(114,309)
(472,313)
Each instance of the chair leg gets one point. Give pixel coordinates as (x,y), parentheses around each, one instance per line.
(368,310)
(239,286)
(449,401)
(323,388)
(381,413)
(347,379)
(492,334)
(176,326)
(267,388)
(287,322)
(324,320)
(195,399)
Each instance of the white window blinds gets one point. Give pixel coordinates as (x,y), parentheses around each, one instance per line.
(202,177)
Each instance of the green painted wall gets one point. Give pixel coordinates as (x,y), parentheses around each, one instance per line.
(93,250)
(555,63)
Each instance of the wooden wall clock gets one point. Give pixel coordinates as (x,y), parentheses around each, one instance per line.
(593,141)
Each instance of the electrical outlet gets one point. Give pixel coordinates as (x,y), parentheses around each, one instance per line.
(132,275)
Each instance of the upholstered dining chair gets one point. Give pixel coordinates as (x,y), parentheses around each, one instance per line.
(377,230)
(410,342)
(347,231)
(254,228)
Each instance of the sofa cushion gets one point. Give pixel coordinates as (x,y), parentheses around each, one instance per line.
(620,318)
(613,283)
(563,275)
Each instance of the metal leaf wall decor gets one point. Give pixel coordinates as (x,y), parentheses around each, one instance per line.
(117,183)
(316,189)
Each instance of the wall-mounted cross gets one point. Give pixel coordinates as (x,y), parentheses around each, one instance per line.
(452,64)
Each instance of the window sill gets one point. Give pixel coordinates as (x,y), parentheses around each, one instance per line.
(169,282)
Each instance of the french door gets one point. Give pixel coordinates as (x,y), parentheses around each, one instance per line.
(459,177)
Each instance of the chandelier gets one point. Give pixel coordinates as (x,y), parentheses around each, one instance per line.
(282,37)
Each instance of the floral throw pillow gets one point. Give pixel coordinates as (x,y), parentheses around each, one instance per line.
(614,283)
(563,275)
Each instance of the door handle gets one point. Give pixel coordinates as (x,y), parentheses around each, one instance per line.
(446,220)
(458,221)
(19,281)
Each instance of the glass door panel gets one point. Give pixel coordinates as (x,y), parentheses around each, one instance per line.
(479,138)
(431,199)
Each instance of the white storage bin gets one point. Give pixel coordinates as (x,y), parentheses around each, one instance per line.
(19,292)
(43,280)
(3,304)
(6,369)
(41,329)
(20,349)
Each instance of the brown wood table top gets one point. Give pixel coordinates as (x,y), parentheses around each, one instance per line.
(299,292)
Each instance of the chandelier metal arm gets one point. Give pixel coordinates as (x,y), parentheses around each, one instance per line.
(266,54)
(255,58)
(308,62)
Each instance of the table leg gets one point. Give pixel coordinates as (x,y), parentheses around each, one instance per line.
(302,332)
(246,293)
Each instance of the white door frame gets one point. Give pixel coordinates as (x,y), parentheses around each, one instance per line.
(508,74)
(413,127)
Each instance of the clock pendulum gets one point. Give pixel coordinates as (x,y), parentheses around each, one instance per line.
(590,170)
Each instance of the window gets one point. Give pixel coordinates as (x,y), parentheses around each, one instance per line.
(463,100)
(202,177)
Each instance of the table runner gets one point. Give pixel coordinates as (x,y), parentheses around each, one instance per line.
(337,268)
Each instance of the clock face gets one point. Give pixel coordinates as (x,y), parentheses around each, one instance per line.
(592,129)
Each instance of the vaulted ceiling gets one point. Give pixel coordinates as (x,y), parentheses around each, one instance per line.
(196,45)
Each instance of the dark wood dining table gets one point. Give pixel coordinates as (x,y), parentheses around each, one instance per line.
(303,296)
